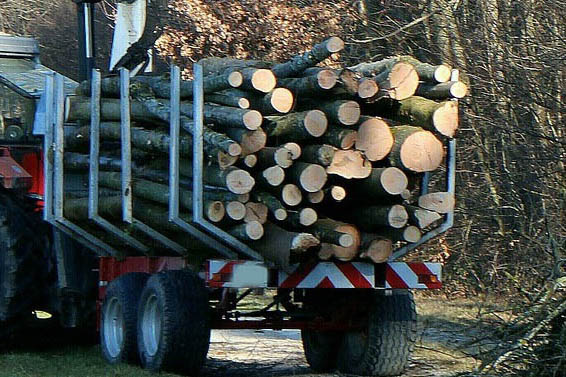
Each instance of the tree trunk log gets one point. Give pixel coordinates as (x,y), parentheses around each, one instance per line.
(318,154)
(372,217)
(415,149)
(272,176)
(422,217)
(297,126)
(326,229)
(235,210)
(433,116)
(270,156)
(250,231)
(256,212)
(399,82)
(376,248)
(311,85)
(295,150)
(302,218)
(336,193)
(374,138)
(445,90)
(228,100)
(339,137)
(441,202)
(344,112)
(289,194)
(275,207)
(349,164)
(311,177)
(316,197)
(249,141)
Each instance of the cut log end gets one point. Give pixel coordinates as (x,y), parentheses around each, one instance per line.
(264,80)
(307,216)
(334,44)
(394,181)
(280,214)
(367,88)
(274,175)
(244,103)
(252,119)
(327,78)
(254,230)
(441,202)
(282,100)
(458,90)
(291,195)
(421,152)
(283,157)
(316,197)
(403,81)
(313,178)
(412,234)
(445,118)
(235,210)
(349,139)
(234,150)
(256,212)
(253,141)
(239,181)
(225,159)
(442,73)
(346,240)
(397,216)
(338,193)
(374,139)
(316,122)
(294,148)
(250,160)
(349,113)
(303,241)
(235,79)
(349,164)
(215,212)
(378,251)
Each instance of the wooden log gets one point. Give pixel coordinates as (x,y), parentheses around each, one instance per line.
(304,217)
(277,101)
(367,88)
(226,116)
(297,126)
(311,85)
(228,100)
(213,210)
(256,212)
(333,237)
(422,217)
(336,193)
(382,182)
(250,160)
(445,90)
(369,218)
(318,154)
(235,180)
(310,58)
(426,72)
(272,176)
(344,253)
(437,117)
(235,210)
(277,245)
(249,141)
(316,197)
(349,164)
(213,65)
(399,82)
(344,112)
(409,234)
(339,137)
(374,138)
(441,202)
(161,85)
(376,248)
(225,196)
(250,231)
(295,150)
(270,156)
(310,177)
(415,149)
(274,206)
(289,194)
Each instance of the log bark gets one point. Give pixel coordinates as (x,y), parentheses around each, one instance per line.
(382,182)
(422,217)
(376,248)
(349,164)
(440,117)
(228,100)
(371,217)
(325,228)
(339,137)
(310,58)
(318,154)
(256,212)
(274,206)
(415,149)
(225,196)
(250,231)
(270,156)
(311,85)
(374,138)
(445,90)
(277,101)
(310,177)
(277,245)
(304,125)
(344,112)
(213,65)
(425,71)
(213,210)
(441,202)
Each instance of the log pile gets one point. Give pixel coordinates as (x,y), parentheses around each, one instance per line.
(302,161)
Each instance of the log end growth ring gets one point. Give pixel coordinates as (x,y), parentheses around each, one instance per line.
(404,81)
(239,181)
(422,152)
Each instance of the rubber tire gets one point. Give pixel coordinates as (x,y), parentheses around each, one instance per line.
(321,349)
(385,346)
(124,291)
(23,269)
(183,337)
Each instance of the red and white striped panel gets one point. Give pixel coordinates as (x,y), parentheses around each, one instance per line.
(413,275)
(251,274)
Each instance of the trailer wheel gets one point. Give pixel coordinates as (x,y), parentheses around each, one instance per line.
(173,323)
(384,346)
(23,268)
(118,320)
(321,349)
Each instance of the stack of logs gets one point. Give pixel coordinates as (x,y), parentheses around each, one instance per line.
(302,161)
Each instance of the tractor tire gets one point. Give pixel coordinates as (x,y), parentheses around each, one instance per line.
(384,346)
(119,318)
(321,349)
(173,323)
(23,269)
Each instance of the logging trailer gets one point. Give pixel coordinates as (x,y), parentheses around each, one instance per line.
(158,309)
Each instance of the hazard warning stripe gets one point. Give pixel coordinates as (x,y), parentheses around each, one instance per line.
(400,275)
